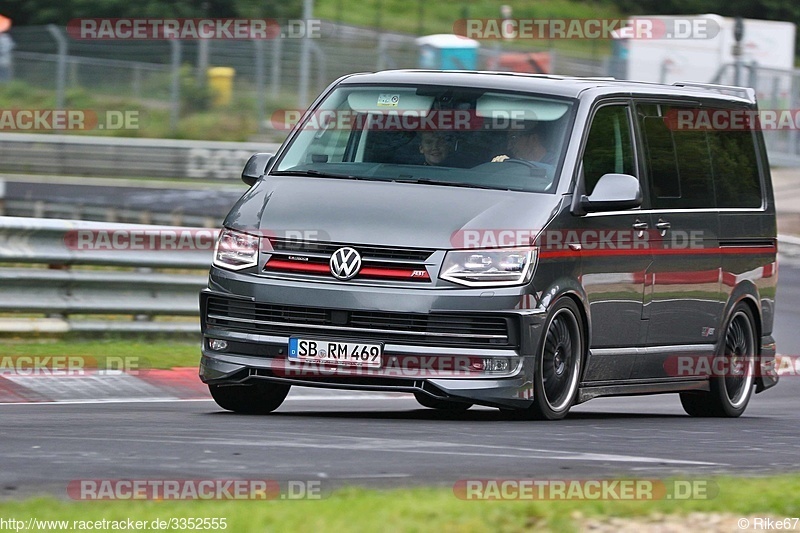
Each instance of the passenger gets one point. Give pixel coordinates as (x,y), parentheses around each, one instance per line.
(436,147)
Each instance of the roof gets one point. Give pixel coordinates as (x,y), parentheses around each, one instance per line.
(565,86)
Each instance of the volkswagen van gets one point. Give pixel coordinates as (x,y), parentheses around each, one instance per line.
(571,238)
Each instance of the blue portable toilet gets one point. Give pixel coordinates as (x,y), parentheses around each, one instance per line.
(445,51)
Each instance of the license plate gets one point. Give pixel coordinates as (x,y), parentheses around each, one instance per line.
(336,352)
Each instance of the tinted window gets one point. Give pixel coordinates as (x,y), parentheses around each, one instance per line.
(421,133)
(678,162)
(735,168)
(608,147)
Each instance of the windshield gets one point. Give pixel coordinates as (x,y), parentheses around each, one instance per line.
(433,135)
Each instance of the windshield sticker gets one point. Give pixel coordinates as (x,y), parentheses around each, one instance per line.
(388,100)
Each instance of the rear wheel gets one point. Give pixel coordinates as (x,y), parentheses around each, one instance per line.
(558,363)
(442,405)
(734,371)
(252,399)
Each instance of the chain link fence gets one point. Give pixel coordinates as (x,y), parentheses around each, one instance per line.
(268,73)
(147,70)
(778,94)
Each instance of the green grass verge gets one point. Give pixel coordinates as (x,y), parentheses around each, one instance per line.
(422,509)
(159,355)
(236,122)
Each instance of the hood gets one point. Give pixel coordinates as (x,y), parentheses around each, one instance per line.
(390,214)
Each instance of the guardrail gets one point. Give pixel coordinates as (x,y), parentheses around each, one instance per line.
(78,155)
(789,247)
(129,277)
(75,211)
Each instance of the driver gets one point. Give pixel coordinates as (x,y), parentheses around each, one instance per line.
(529,144)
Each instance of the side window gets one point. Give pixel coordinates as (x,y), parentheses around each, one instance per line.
(678,162)
(733,154)
(608,146)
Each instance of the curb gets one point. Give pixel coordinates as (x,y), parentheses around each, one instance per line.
(103,386)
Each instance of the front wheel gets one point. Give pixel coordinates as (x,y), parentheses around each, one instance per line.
(558,363)
(732,386)
(252,399)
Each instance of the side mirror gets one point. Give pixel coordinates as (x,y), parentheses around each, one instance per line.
(613,192)
(255,167)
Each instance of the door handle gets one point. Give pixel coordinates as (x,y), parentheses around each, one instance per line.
(663,226)
(640,227)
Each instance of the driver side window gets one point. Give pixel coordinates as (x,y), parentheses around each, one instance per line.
(608,146)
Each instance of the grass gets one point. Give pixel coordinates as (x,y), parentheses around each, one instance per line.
(160,355)
(236,122)
(422,509)
(423,18)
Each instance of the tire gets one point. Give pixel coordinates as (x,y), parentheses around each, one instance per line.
(441,405)
(256,399)
(729,393)
(558,363)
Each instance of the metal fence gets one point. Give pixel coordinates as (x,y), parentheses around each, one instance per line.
(269,74)
(159,70)
(75,155)
(62,275)
(265,70)
(776,90)
(59,276)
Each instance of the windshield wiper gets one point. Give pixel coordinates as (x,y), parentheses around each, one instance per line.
(315,173)
(428,181)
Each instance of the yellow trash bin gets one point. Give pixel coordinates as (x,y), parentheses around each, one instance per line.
(220,81)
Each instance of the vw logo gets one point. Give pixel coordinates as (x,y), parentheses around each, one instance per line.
(345,263)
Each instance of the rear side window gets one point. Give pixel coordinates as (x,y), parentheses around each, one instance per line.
(678,162)
(697,167)
(733,154)
(608,147)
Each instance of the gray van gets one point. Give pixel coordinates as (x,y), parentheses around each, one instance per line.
(516,241)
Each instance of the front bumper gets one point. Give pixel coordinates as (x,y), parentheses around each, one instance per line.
(440,369)
(514,391)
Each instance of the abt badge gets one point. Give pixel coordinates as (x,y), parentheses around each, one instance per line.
(345,263)
(707,332)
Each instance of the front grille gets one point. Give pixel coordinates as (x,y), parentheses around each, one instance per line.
(435,329)
(375,253)
(378,262)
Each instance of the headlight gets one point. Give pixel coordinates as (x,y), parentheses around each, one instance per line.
(489,268)
(235,250)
